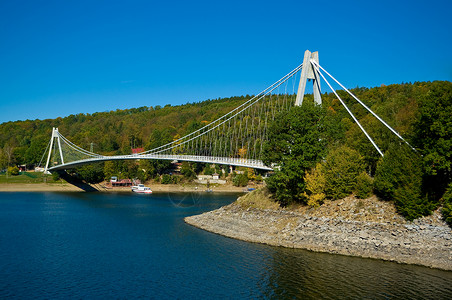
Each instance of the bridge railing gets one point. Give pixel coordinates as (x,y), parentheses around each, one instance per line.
(242,162)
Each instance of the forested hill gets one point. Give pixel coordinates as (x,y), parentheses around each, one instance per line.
(421,112)
(113,132)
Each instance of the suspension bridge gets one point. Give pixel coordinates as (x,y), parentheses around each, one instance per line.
(235,139)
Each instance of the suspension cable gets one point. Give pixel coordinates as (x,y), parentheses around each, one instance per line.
(216,126)
(288,75)
(364,105)
(48,144)
(77,148)
(350,113)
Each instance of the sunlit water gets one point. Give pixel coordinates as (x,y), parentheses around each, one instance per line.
(99,245)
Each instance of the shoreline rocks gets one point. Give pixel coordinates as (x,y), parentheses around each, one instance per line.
(380,235)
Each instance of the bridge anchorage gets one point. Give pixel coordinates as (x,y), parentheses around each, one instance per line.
(236,139)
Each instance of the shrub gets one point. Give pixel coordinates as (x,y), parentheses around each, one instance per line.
(400,166)
(364,185)
(166,179)
(447,205)
(55,176)
(13,171)
(240,180)
(410,203)
(142,175)
(157,179)
(169,179)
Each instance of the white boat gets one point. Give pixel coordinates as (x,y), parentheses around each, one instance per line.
(141,189)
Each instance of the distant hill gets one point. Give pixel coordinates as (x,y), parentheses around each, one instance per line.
(116,132)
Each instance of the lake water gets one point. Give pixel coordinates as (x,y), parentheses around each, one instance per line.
(99,245)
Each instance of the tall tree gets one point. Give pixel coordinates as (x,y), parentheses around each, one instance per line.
(433,136)
(399,177)
(341,169)
(296,142)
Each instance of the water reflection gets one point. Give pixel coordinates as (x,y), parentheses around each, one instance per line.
(296,273)
(91,245)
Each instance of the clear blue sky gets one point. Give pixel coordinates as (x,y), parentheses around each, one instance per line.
(66,57)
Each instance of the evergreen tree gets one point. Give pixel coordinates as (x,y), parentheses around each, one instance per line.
(433,136)
(399,177)
(341,169)
(364,185)
(447,205)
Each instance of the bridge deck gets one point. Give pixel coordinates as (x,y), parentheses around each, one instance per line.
(240,162)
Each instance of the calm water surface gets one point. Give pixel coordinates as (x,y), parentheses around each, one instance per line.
(99,245)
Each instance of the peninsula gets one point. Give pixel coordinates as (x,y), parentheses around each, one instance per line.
(367,228)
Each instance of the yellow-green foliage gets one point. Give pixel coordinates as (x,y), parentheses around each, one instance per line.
(315,186)
(364,185)
(258,199)
(341,169)
(14,171)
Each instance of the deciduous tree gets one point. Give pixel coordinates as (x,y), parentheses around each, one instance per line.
(295,144)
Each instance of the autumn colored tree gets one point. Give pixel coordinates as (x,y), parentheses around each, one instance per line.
(315,186)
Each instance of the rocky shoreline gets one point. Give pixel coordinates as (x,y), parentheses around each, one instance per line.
(366,228)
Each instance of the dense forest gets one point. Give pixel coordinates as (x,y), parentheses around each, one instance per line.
(113,132)
(322,154)
(321,151)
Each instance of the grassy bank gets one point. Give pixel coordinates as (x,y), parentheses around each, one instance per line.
(27,177)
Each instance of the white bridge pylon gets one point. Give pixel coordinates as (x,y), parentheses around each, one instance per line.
(236,138)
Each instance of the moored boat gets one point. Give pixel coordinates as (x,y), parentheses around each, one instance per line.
(141,189)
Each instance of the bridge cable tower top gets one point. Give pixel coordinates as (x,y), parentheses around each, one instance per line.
(309,72)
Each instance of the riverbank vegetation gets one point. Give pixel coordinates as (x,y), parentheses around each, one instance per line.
(320,152)
(26,177)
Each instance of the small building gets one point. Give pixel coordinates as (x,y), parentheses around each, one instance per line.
(215,176)
(207,179)
(137,150)
(122,182)
(116,182)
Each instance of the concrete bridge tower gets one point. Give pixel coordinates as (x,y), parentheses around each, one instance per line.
(309,72)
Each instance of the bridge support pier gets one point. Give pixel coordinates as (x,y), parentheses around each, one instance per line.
(309,72)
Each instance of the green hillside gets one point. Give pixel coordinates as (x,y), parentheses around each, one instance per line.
(113,132)
(421,112)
